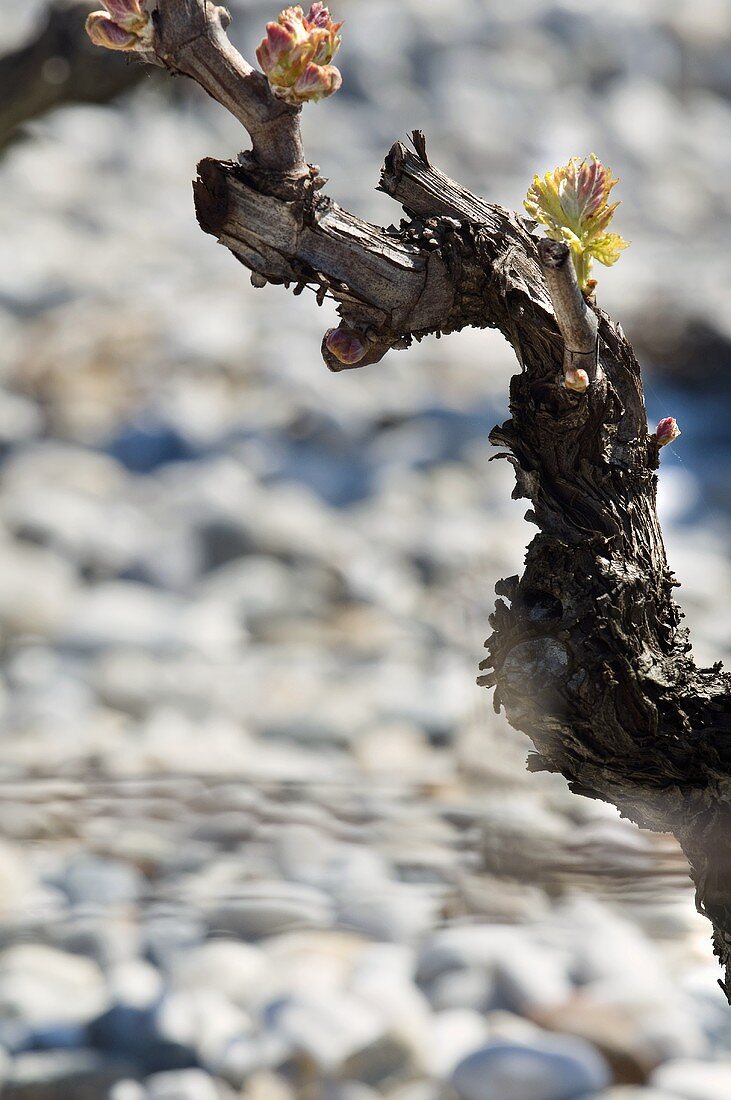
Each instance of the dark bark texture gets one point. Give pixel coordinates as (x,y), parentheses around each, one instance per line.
(588,655)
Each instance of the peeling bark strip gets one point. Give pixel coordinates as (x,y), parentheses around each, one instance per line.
(588,655)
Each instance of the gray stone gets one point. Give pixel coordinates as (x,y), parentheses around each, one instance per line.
(415,1090)
(308,855)
(610,952)
(453,1035)
(495,963)
(387,1059)
(187,1084)
(135,982)
(709,1005)
(19,418)
(126,615)
(690,1080)
(249,1053)
(127,1090)
(107,936)
(532,978)
(62,1075)
(37,590)
(201,1020)
(466,987)
(44,986)
(554,1068)
(263,909)
(264,1085)
(394,911)
(15,1035)
(629,1092)
(348,1090)
(103,881)
(5,1064)
(235,970)
(16,879)
(328,1027)
(167,931)
(464,947)
(228,829)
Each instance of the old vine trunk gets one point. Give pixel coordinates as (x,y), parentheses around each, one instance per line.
(587,655)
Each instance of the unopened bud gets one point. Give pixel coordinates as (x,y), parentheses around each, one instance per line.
(345,345)
(103,31)
(123,26)
(296,54)
(576,380)
(667,431)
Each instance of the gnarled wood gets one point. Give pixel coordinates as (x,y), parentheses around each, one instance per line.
(588,655)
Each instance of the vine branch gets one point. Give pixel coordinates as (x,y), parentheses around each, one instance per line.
(576,322)
(588,655)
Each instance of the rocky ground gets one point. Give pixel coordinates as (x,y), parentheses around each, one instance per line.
(262,836)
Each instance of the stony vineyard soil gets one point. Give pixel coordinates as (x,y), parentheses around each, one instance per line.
(262,836)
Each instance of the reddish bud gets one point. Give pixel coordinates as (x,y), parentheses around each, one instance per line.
(127,14)
(123,26)
(667,431)
(275,50)
(345,345)
(295,56)
(576,380)
(318,15)
(103,31)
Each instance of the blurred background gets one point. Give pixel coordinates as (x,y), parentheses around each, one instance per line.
(261,836)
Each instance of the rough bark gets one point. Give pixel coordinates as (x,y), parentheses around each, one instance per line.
(587,655)
(59,65)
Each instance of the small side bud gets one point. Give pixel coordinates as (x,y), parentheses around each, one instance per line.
(345,345)
(104,32)
(576,380)
(122,26)
(667,431)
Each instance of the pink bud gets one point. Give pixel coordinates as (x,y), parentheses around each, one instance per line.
(127,14)
(317,82)
(576,380)
(276,46)
(318,15)
(103,31)
(345,345)
(295,56)
(667,431)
